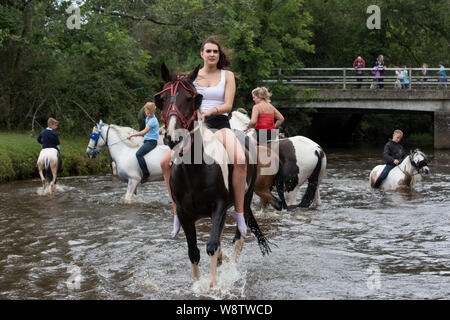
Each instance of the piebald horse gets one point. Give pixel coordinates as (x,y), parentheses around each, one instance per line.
(201,173)
(48,166)
(300,159)
(406,174)
(123,153)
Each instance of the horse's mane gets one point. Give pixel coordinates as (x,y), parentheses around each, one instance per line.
(124,132)
(241,117)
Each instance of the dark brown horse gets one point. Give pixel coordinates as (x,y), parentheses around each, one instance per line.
(200,182)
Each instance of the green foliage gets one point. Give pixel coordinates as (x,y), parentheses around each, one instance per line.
(111,65)
(19,153)
(412,32)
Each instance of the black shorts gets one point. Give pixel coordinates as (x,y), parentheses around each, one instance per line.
(269,135)
(217,122)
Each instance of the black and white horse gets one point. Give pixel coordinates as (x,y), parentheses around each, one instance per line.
(201,187)
(405,174)
(299,160)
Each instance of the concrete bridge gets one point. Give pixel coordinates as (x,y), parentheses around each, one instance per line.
(417,100)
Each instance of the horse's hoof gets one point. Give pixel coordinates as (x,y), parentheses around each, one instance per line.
(292,208)
(277,205)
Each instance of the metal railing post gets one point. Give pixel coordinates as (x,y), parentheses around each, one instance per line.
(410,78)
(345,78)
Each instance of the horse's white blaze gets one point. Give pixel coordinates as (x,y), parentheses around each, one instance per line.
(171,127)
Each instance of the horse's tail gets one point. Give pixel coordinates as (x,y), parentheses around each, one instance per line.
(47,171)
(313,181)
(262,241)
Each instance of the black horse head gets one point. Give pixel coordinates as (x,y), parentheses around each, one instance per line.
(178,102)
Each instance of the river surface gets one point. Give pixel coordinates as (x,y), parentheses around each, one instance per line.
(84,242)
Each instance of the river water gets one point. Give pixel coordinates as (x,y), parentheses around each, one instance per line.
(360,244)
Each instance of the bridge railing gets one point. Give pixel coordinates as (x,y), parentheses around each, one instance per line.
(346,78)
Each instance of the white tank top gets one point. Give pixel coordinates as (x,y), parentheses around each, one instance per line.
(212,96)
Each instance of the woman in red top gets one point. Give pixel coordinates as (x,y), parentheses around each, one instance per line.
(264,114)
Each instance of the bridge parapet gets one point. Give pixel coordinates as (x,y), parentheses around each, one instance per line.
(368,94)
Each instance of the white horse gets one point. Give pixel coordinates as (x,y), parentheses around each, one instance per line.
(300,159)
(123,153)
(406,174)
(48,166)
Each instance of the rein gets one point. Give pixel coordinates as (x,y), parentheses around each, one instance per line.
(413,165)
(173,109)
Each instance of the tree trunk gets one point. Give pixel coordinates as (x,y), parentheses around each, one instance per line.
(27,19)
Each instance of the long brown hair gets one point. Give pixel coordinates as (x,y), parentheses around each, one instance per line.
(223,59)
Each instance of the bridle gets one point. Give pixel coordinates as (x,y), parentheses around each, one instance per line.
(95,137)
(417,166)
(173,110)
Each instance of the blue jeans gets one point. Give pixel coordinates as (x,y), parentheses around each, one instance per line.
(383,175)
(148,146)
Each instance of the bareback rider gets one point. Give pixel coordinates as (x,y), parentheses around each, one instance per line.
(393,155)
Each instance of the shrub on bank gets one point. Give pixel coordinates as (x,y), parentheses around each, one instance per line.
(19,154)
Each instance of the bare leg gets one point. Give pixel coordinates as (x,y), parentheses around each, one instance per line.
(237,155)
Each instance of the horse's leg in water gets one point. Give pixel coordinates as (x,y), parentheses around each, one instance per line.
(132,185)
(41,175)
(54,168)
(291,198)
(191,238)
(213,246)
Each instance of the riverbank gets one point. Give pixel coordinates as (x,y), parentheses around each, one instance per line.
(19,153)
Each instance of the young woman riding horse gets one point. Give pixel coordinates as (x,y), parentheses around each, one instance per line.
(204,188)
(218,87)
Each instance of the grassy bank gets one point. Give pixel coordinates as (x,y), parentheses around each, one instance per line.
(19,153)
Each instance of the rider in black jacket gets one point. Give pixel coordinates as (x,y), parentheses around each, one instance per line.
(393,155)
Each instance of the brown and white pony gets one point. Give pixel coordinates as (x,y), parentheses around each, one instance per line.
(201,181)
(299,159)
(405,174)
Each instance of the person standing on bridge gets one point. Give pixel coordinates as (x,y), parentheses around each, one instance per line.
(442,75)
(393,155)
(380,66)
(359,63)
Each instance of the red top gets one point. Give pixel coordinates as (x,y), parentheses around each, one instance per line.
(265,121)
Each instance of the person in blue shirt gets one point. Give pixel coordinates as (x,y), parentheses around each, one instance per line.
(49,138)
(151,134)
(442,75)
